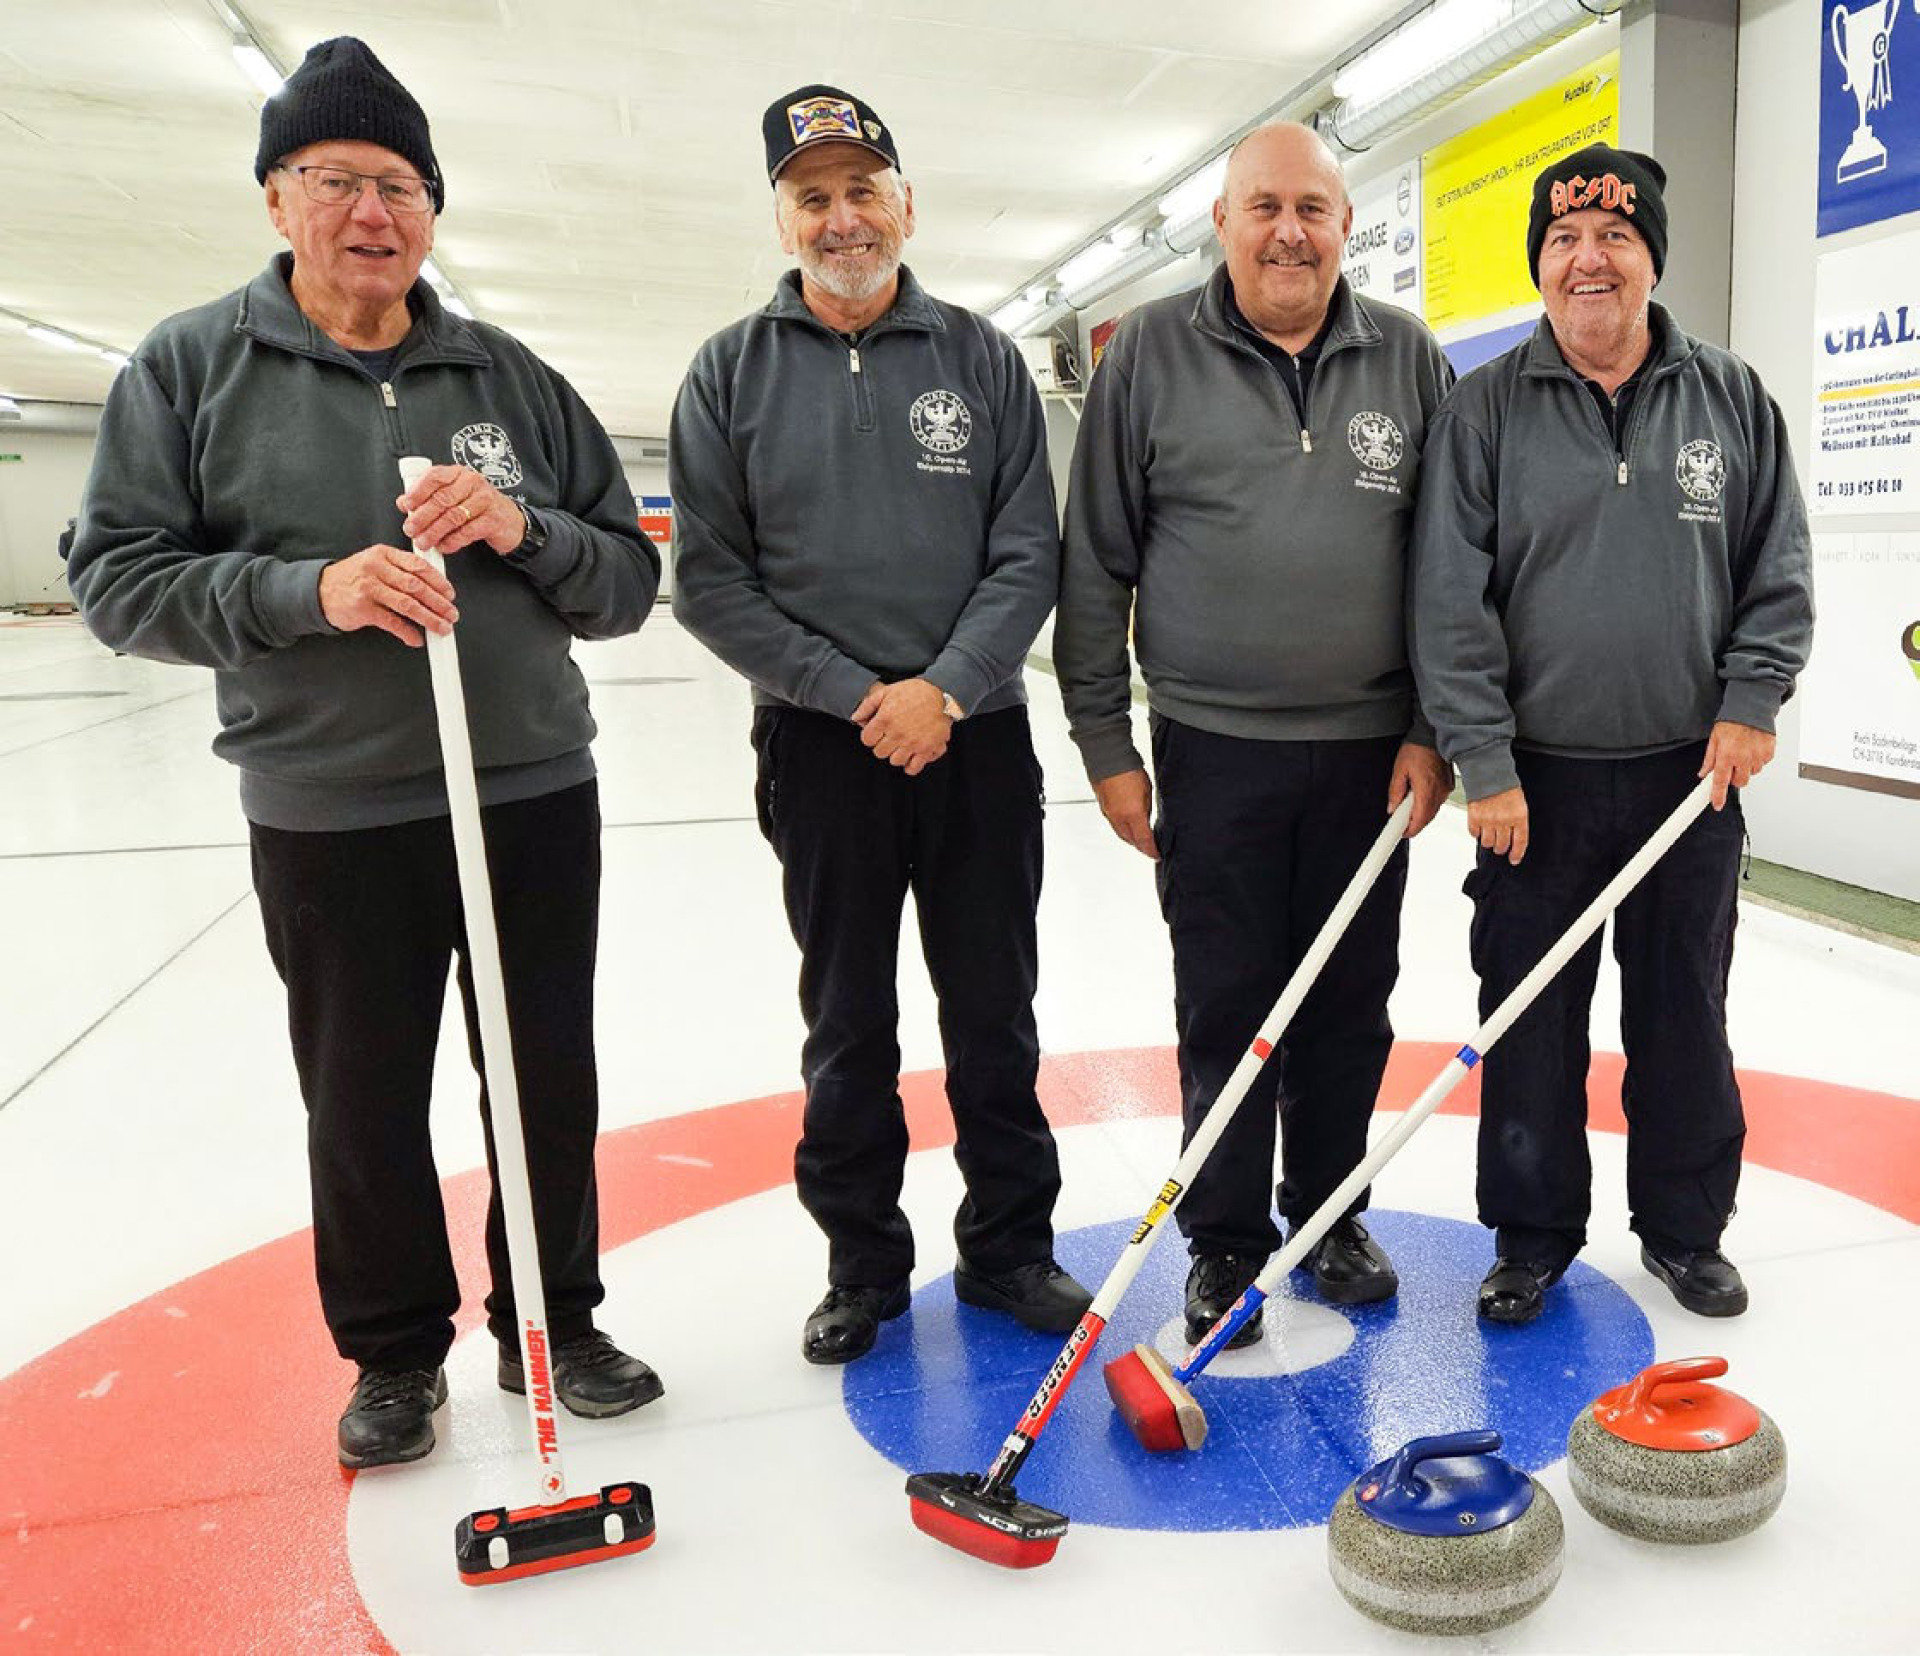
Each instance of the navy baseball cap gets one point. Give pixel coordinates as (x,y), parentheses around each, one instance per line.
(820,115)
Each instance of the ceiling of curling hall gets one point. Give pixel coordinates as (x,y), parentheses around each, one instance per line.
(606,193)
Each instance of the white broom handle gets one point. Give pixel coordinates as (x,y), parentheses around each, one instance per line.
(1227,1102)
(496,1040)
(1481,1041)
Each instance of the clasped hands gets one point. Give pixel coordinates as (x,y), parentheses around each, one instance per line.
(904,723)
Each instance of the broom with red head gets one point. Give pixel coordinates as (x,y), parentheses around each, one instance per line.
(980,1513)
(503,1543)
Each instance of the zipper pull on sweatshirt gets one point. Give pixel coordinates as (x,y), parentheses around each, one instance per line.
(1306,441)
(1623,474)
(853,359)
(386,395)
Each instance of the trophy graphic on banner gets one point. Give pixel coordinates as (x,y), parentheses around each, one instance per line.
(1862,37)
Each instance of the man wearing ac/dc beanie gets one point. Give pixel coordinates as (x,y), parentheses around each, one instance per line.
(1611,599)
(241,515)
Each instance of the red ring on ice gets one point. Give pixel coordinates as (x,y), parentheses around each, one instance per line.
(225,1525)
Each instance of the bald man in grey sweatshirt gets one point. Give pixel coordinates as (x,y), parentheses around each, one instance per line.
(1242,494)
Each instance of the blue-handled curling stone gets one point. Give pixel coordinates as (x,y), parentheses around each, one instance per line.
(1446,1537)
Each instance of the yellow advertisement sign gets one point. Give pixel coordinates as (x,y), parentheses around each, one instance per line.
(1479,186)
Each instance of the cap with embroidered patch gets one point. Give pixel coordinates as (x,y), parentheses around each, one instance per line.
(819,115)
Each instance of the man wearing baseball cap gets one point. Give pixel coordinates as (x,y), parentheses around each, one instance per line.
(1611,599)
(241,515)
(865,530)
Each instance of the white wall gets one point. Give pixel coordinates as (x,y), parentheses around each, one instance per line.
(1865,839)
(38,493)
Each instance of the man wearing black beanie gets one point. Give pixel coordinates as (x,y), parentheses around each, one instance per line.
(241,515)
(1611,599)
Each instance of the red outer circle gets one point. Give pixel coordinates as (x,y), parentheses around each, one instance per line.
(163,1474)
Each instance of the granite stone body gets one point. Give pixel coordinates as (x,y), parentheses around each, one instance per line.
(1677,1495)
(1469,1583)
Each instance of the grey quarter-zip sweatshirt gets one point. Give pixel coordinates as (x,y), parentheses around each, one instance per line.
(1260,557)
(1594,600)
(852,510)
(241,450)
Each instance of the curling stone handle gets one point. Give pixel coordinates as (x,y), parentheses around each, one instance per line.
(1443,1447)
(1681,1371)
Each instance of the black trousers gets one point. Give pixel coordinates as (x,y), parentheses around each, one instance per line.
(1257,842)
(854,835)
(1673,938)
(361,926)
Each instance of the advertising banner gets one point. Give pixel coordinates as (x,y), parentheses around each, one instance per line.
(1860,722)
(1477,189)
(1383,256)
(1869,111)
(1865,454)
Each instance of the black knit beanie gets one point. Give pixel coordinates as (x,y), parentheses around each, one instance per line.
(1614,180)
(342,91)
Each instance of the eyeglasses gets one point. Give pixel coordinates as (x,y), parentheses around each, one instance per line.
(338,187)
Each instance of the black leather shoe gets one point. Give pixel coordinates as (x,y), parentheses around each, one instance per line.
(592,1377)
(845,1324)
(1515,1290)
(1349,1267)
(389,1419)
(1040,1296)
(1704,1280)
(1214,1282)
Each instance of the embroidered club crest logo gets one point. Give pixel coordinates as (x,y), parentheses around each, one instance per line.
(489,451)
(813,118)
(1701,470)
(873,129)
(1375,440)
(941,422)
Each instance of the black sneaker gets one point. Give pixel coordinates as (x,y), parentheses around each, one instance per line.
(1515,1290)
(845,1324)
(1040,1296)
(1213,1284)
(592,1377)
(1704,1280)
(389,1418)
(1349,1267)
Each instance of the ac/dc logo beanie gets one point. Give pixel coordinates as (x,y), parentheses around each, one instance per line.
(1614,181)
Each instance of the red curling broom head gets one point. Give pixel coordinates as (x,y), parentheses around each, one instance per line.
(1158,1410)
(498,1545)
(1000,1528)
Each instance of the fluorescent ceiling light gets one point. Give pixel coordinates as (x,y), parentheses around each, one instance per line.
(431,271)
(53,336)
(257,66)
(1096,260)
(117,358)
(1021,308)
(9,409)
(1434,36)
(1196,193)
(457,305)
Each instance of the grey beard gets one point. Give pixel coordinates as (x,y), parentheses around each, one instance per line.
(849,284)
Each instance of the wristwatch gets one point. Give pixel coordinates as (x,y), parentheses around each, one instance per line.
(951,708)
(533,542)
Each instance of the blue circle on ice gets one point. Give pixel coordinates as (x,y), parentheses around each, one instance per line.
(946,1383)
